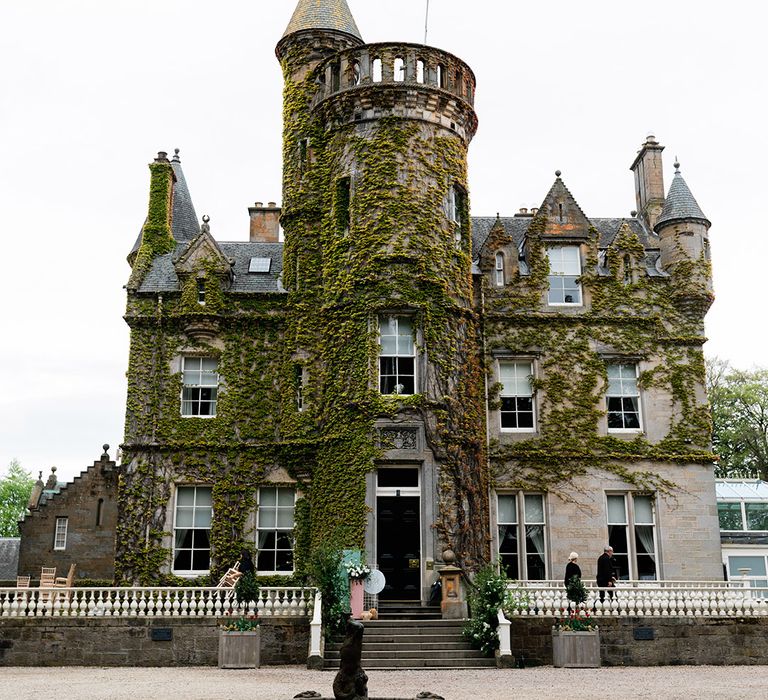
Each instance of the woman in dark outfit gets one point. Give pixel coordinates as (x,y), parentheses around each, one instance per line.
(572,568)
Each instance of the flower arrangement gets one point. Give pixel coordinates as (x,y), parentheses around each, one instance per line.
(357,572)
(574,620)
(242,624)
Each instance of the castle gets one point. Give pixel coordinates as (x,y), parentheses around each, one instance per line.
(400,377)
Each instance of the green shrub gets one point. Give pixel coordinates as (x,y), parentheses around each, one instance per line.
(485,600)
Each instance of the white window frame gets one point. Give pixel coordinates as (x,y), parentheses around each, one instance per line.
(559,270)
(200,511)
(517,363)
(200,387)
(60,534)
(522,525)
(625,383)
(499,279)
(409,352)
(630,525)
(268,521)
(743,512)
(755,580)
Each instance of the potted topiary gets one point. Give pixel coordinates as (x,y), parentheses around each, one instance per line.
(240,638)
(575,636)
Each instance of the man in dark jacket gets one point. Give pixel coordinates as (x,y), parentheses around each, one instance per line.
(605,577)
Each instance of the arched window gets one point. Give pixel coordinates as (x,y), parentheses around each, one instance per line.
(355,74)
(499,269)
(335,77)
(419,71)
(399,70)
(376,70)
(441,76)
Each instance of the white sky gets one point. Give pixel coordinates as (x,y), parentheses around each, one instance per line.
(90,90)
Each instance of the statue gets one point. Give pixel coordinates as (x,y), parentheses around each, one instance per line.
(351,683)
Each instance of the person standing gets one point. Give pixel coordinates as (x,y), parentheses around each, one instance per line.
(572,568)
(605,577)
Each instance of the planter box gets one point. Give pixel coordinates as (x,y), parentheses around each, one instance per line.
(239,649)
(575,649)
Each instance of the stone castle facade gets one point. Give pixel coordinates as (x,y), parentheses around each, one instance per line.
(398,376)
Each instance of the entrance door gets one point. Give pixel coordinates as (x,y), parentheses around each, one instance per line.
(398,546)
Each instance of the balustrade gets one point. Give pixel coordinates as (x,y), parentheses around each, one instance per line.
(153,602)
(643,599)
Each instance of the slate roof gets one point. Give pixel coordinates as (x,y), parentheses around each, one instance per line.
(184,225)
(323,14)
(680,203)
(9,558)
(516,226)
(162,275)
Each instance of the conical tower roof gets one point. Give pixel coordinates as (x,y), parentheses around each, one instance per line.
(680,204)
(323,14)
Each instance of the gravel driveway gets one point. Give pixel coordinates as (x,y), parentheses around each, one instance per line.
(283,682)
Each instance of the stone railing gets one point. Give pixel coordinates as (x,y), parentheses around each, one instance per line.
(643,599)
(407,64)
(152,602)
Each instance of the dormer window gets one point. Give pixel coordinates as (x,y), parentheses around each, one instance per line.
(499,269)
(201,292)
(564,271)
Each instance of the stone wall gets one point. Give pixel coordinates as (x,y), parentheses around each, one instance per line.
(676,641)
(89,503)
(128,642)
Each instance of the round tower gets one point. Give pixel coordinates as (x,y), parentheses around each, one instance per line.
(377,262)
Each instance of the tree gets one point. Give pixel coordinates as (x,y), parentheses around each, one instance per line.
(15,489)
(739,403)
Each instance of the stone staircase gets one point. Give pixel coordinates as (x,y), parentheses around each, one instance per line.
(423,640)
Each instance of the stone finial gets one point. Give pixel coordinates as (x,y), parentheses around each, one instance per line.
(206,224)
(52,481)
(105,454)
(558,173)
(176,158)
(677,165)
(633,213)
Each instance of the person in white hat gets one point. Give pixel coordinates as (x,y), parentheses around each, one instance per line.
(572,568)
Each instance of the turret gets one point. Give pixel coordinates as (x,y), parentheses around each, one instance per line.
(649,181)
(683,231)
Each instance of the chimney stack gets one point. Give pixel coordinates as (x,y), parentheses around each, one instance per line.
(265,222)
(649,181)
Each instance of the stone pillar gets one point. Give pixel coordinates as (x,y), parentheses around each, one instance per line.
(454,604)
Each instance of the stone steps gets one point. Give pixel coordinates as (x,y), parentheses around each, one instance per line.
(408,644)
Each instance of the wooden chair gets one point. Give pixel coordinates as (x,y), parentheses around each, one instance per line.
(47,576)
(23,581)
(66,581)
(229,579)
(47,580)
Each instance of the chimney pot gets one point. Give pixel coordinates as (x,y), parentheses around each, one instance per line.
(259,205)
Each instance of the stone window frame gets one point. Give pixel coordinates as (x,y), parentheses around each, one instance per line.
(189,389)
(276,528)
(561,273)
(517,360)
(521,526)
(633,539)
(60,534)
(191,572)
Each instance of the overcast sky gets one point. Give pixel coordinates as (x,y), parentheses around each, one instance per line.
(90,90)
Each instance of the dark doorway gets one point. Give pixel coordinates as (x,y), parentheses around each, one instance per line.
(397,533)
